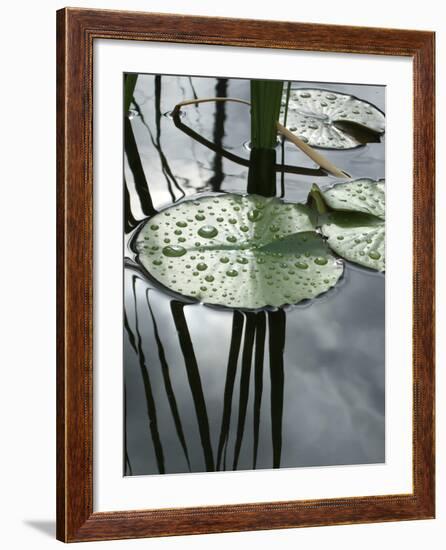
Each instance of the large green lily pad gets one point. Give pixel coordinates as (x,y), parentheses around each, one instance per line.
(332,120)
(238,251)
(355,228)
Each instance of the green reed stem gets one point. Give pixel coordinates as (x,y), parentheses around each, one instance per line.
(266,96)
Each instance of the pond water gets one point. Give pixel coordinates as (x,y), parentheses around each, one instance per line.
(209,388)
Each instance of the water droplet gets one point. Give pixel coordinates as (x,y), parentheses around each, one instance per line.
(208,231)
(232,220)
(321,261)
(305,95)
(374,255)
(254,215)
(181,223)
(199,217)
(178,232)
(154,227)
(157,262)
(232,273)
(202,266)
(274,228)
(242,260)
(209,278)
(313,126)
(330,97)
(231,239)
(340,237)
(174,251)
(244,228)
(203,288)
(301,265)
(224,260)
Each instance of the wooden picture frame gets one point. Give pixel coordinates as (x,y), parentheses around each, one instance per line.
(77,29)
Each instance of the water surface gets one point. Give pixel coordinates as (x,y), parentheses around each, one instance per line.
(209,388)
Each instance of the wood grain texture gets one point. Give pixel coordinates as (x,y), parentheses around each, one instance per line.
(76,31)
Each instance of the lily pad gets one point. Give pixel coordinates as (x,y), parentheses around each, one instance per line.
(355,228)
(332,120)
(238,251)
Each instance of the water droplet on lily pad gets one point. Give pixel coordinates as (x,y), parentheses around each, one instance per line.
(320,261)
(254,215)
(208,231)
(174,251)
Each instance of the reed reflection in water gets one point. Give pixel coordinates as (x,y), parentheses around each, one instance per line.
(210,389)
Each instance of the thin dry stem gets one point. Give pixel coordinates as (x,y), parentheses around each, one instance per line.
(310,152)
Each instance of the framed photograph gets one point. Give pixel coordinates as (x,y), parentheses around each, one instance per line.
(245,275)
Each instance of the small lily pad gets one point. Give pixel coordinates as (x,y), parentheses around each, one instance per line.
(238,251)
(355,227)
(332,120)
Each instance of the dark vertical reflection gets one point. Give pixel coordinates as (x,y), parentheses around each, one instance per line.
(276,327)
(168,174)
(129,220)
(194,92)
(128,471)
(165,168)
(129,332)
(248,345)
(134,160)
(258,378)
(129,88)
(150,401)
(234,350)
(193,375)
(219,131)
(168,384)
